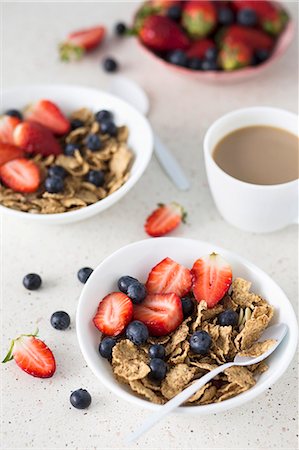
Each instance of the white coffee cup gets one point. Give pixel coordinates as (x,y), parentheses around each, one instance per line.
(251,207)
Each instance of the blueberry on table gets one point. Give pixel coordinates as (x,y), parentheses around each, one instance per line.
(69,149)
(84,273)
(60,320)
(106,346)
(228,317)
(76,123)
(194,63)
(120,29)
(188,306)
(137,292)
(110,65)
(103,116)
(32,281)
(177,57)
(93,142)
(157,351)
(14,113)
(158,369)
(57,171)
(96,177)
(124,282)
(225,16)
(54,185)
(108,127)
(137,332)
(174,12)
(80,399)
(247,17)
(200,342)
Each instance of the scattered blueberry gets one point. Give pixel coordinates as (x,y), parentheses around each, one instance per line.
(14,113)
(110,65)
(109,127)
(84,273)
(157,351)
(262,54)
(80,399)
(225,16)
(76,123)
(96,177)
(247,17)
(124,283)
(103,116)
(194,63)
(60,320)
(200,342)
(174,12)
(177,57)
(54,185)
(137,292)
(106,346)
(188,306)
(211,54)
(120,29)
(57,171)
(158,369)
(137,332)
(228,317)
(209,65)
(32,281)
(93,142)
(69,149)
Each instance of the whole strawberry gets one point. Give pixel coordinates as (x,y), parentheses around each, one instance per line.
(162,34)
(199,18)
(253,38)
(235,55)
(81,41)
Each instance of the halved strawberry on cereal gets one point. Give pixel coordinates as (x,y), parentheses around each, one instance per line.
(169,277)
(20,175)
(8,152)
(49,115)
(37,139)
(7,127)
(114,313)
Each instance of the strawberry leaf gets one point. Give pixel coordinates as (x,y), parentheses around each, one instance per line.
(9,355)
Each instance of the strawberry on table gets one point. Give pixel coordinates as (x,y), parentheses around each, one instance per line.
(9,152)
(199,18)
(114,313)
(32,355)
(20,175)
(49,115)
(212,277)
(7,126)
(169,277)
(35,138)
(235,55)
(161,313)
(81,41)
(164,219)
(198,48)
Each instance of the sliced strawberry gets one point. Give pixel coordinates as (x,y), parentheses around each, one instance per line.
(32,355)
(212,277)
(7,126)
(20,175)
(35,138)
(114,313)
(161,313)
(164,219)
(78,42)
(8,152)
(49,115)
(169,277)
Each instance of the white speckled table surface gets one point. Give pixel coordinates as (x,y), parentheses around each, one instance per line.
(37,413)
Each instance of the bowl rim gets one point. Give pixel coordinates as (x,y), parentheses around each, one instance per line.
(199,409)
(105,203)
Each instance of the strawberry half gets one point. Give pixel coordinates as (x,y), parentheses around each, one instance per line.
(212,277)
(35,138)
(8,152)
(165,219)
(161,313)
(20,175)
(32,355)
(169,277)
(7,126)
(81,41)
(49,115)
(114,313)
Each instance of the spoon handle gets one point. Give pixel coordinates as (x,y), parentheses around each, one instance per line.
(170,165)
(176,401)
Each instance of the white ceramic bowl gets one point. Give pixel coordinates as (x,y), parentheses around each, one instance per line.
(137,259)
(70,98)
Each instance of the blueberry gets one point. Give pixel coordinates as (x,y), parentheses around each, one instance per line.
(188,306)
(103,116)
(158,369)
(194,63)
(177,57)
(137,332)
(211,54)
(54,185)
(106,347)
(247,17)
(60,320)
(174,12)
(200,342)
(262,55)
(137,292)
(228,317)
(209,65)
(120,29)
(69,149)
(32,281)
(96,177)
(109,127)
(14,113)
(93,142)
(57,171)
(225,16)
(80,399)
(156,351)
(110,65)
(84,273)
(124,283)
(76,123)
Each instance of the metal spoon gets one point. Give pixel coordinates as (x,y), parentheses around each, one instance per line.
(132,93)
(276,332)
